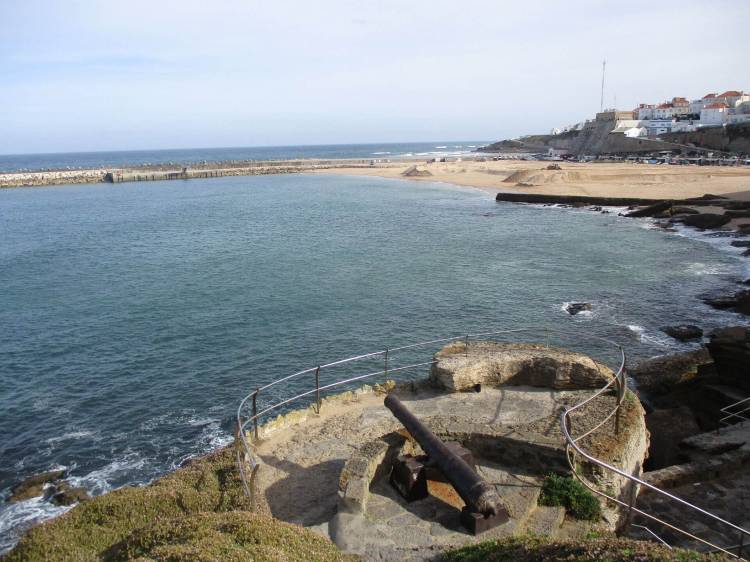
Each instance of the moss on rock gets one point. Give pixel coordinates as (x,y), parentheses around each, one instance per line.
(198,512)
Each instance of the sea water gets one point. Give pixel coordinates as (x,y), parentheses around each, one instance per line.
(187,156)
(136,316)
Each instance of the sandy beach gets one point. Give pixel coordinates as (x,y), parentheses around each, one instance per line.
(590,179)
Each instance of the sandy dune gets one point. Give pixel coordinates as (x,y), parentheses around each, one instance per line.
(594,179)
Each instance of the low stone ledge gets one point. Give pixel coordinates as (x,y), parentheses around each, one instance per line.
(495,364)
(702,470)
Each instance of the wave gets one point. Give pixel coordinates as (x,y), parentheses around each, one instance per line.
(379,153)
(16,518)
(657,339)
(69,436)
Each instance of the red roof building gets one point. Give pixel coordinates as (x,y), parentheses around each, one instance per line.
(720,105)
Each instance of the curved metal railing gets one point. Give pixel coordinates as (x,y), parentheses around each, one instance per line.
(250,413)
(249,416)
(573,448)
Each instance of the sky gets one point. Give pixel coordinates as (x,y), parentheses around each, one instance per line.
(86,75)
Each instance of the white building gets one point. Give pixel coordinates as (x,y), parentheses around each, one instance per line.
(714,114)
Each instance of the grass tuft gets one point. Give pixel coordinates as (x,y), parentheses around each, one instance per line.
(569,493)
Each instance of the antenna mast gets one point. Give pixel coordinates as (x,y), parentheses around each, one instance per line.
(601,104)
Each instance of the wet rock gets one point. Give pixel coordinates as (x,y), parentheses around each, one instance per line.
(730,350)
(683,332)
(33,486)
(651,210)
(574,308)
(659,375)
(65,494)
(684,211)
(738,214)
(740,243)
(738,302)
(705,220)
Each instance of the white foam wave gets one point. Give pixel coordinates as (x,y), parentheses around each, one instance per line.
(15,518)
(69,436)
(379,153)
(100,481)
(643,336)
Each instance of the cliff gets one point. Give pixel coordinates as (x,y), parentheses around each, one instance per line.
(731,138)
(594,139)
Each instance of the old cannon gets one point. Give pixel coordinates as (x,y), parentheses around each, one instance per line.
(483,509)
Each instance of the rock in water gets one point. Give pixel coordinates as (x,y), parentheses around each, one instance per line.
(730,349)
(574,308)
(33,486)
(651,210)
(705,220)
(739,302)
(683,332)
(64,494)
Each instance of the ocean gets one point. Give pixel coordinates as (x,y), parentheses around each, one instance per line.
(124,158)
(136,316)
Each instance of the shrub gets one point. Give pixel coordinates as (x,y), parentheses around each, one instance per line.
(569,493)
(542,549)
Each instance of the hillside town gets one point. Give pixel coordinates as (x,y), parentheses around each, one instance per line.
(676,116)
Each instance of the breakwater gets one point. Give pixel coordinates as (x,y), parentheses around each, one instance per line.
(201,171)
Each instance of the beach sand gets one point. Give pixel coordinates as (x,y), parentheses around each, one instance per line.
(591,179)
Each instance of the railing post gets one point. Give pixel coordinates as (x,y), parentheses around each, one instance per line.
(385,369)
(631,501)
(255,414)
(741,546)
(317,387)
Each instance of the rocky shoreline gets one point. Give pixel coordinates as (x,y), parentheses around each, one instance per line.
(716,215)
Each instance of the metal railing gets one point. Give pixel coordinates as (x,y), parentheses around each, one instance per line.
(250,414)
(736,413)
(573,448)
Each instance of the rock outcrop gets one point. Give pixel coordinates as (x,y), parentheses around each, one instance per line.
(497,364)
(730,350)
(34,486)
(659,375)
(683,332)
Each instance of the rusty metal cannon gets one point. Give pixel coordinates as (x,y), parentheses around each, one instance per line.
(483,509)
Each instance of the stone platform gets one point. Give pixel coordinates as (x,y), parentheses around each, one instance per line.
(328,471)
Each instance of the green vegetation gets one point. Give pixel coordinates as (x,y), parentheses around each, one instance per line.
(198,512)
(569,493)
(541,549)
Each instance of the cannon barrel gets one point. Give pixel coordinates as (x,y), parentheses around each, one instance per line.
(478,495)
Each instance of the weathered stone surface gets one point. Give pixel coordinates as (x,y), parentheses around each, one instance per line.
(667,429)
(495,364)
(33,486)
(730,350)
(660,374)
(683,332)
(739,302)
